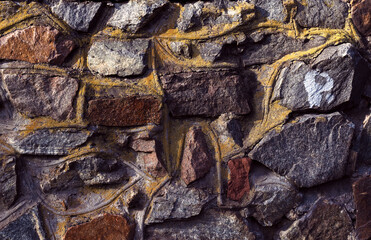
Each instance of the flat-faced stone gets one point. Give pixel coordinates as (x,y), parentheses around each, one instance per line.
(205,93)
(196,160)
(238,185)
(319,157)
(361,16)
(116,57)
(129,111)
(49,141)
(110,227)
(362,197)
(8,181)
(142,145)
(38,95)
(77,15)
(36,44)
(133,15)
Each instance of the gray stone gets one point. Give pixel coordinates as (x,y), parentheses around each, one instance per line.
(181,49)
(190,16)
(326,220)
(177,202)
(77,15)
(133,15)
(210,51)
(336,77)
(122,58)
(8,182)
(272,196)
(319,157)
(27,226)
(206,94)
(272,47)
(322,13)
(365,141)
(49,141)
(272,10)
(212,224)
(38,95)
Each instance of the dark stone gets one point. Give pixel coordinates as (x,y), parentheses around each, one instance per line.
(238,185)
(361,16)
(206,94)
(319,157)
(123,112)
(365,141)
(362,197)
(8,182)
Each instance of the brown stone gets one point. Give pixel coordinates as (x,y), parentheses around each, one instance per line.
(197,160)
(151,162)
(124,112)
(141,145)
(36,44)
(361,15)
(108,227)
(239,185)
(362,197)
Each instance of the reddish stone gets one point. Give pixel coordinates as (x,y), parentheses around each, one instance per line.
(239,184)
(141,145)
(125,112)
(362,198)
(151,162)
(361,15)
(108,227)
(197,159)
(36,44)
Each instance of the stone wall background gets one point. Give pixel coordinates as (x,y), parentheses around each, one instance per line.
(160,119)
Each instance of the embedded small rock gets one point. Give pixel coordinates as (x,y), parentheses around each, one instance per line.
(152,163)
(238,185)
(362,196)
(272,10)
(190,16)
(210,51)
(181,49)
(141,145)
(8,182)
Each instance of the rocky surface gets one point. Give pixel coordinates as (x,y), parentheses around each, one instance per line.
(36,44)
(365,141)
(114,57)
(8,182)
(38,95)
(362,196)
(361,16)
(77,15)
(152,163)
(105,227)
(272,10)
(129,111)
(205,93)
(196,160)
(319,157)
(238,185)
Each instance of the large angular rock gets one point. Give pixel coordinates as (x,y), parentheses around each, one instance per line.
(362,196)
(36,44)
(205,93)
(238,184)
(319,157)
(321,13)
(272,196)
(177,202)
(105,227)
(129,111)
(122,58)
(361,16)
(8,182)
(212,224)
(77,15)
(196,160)
(49,141)
(38,95)
(27,226)
(133,15)
(326,220)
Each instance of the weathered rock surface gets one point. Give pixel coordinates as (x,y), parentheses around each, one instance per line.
(122,58)
(272,196)
(38,95)
(36,44)
(190,16)
(212,224)
(8,8)
(238,185)
(272,10)
(129,111)
(27,226)
(133,15)
(362,197)
(205,93)
(319,157)
(197,159)
(142,145)
(267,48)
(210,51)
(112,227)
(326,220)
(177,202)
(8,182)
(336,77)
(181,49)
(152,163)
(365,141)
(49,142)
(322,13)
(77,15)
(361,16)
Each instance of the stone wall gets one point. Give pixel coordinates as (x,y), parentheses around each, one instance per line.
(160,119)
